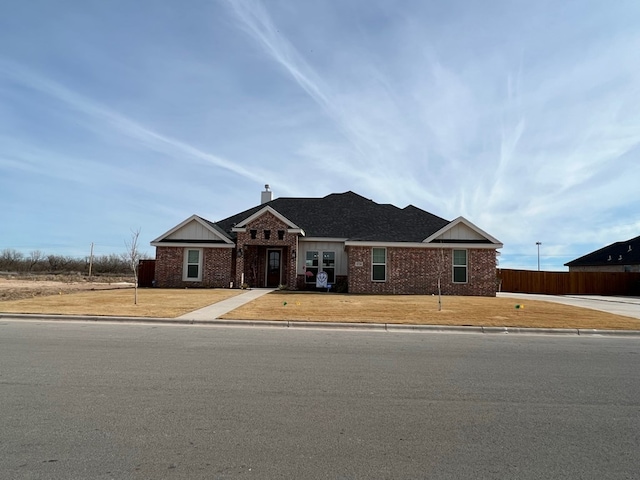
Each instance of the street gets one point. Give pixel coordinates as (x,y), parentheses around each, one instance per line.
(91,400)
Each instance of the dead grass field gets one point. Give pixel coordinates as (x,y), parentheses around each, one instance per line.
(158,303)
(423,310)
(322,307)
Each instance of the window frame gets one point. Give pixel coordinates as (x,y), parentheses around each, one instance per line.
(320,267)
(329,268)
(187,264)
(311,279)
(378,264)
(455,265)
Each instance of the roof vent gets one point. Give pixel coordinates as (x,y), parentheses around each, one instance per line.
(629,248)
(619,257)
(609,259)
(267,195)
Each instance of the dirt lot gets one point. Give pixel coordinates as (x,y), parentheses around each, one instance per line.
(14,287)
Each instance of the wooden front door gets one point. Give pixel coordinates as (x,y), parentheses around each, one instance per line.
(274,268)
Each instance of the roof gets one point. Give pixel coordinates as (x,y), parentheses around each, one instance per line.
(619,253)
(349,215)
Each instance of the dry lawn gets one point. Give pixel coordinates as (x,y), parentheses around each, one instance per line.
(158,303)
(423,310)
(323,307)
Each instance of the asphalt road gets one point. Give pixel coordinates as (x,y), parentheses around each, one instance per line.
(140,401)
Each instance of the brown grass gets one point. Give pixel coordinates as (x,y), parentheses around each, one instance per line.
(423,310)
(159,303)
(322,307)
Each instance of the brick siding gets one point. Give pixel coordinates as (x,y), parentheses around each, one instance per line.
(253,260)
(217,269)
(415,271)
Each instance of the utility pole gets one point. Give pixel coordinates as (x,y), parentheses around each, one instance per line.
(91,260)
(538,244)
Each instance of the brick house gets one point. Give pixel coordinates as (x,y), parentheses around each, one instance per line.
(617,257)
(351,243)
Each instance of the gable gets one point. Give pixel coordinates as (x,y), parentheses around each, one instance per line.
(266,216)
(194,230)
(462,230)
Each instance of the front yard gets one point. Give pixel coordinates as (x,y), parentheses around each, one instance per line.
(324,307)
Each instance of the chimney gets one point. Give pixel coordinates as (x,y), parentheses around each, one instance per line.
(267,195)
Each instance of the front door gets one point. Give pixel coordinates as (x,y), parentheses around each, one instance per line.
(274,270)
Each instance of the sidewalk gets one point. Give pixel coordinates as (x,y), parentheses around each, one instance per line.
(212,312)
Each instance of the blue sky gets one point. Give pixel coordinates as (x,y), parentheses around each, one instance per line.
(523,117)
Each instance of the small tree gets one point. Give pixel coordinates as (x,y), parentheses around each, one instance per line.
(132,256)
(440,266)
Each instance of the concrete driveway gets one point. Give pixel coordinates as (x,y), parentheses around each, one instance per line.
(627,306)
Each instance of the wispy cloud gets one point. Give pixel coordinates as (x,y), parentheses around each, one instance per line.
(523,118)
(101,117)
(517,146)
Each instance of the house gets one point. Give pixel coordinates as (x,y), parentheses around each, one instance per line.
(352,243)
(617,257)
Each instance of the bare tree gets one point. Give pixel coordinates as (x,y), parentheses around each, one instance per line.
(34,258)
(10,259)
(132,256)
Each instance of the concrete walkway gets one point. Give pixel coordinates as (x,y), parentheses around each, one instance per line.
(627,306)
(216,310)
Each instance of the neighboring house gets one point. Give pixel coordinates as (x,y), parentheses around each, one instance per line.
(617,257)
(361,246)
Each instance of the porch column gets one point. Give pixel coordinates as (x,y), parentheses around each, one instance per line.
(239,266)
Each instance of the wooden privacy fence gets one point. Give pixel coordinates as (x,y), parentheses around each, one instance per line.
(569,283)
(146,273)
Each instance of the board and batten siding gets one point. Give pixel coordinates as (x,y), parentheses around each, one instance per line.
(342,265)
(460,232)
(193,231)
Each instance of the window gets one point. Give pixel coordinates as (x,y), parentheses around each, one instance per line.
(311,267)
(253,234)
(459,266)
(379,264)
(329,265)
(280,234)
(192,265)
(267,234)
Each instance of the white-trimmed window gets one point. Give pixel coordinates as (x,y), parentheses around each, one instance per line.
(379,264)
(192,265)
(313,266)
(329,265)
(459,266)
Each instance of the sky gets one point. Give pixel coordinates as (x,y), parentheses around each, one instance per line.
(521,116)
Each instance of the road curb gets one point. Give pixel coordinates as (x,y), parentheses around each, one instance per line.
(396,327)
(620,333)
(381,327)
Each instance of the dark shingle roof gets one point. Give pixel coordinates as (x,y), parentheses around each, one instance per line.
(349,215)
(619,253)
